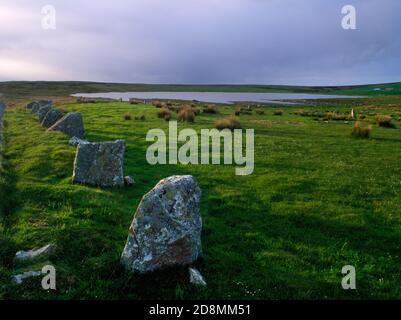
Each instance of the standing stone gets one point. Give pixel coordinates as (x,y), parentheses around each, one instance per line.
(71,124)
(31,104)
(44,102)
(100,164)
(167,225)
(52,117)
(2,108)
(43,111)
(35,108)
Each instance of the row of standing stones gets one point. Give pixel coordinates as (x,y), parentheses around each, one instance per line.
(166,229)
(2,110)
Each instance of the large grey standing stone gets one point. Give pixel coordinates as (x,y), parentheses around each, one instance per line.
(51,117)
(43,111)
(71,124)
(167,226)
(100,164)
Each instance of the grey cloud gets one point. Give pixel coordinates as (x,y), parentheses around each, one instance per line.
(210,41)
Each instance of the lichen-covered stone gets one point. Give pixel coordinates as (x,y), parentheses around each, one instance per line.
(166,229)
(51,117)
(2,110)
(31,104)
(21,277)
(36,253)
(196,278)
(35,108)
(71,124)
(43,111)
(100,164)
(44,102)
(129,181)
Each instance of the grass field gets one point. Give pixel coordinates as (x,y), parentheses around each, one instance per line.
(318,199)
(22,89)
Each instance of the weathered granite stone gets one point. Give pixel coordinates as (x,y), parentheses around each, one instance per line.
(43,111)
(35,107)
(2,110)
(100,164)
(129,181)
(74,141)
(196,278)
(45,102)
(166,229)
(19,278)
(31,104)
(51,117)
(71,124)
(36,253)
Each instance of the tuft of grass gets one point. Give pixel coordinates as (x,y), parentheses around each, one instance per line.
(336,116)
(134,101)
(127,116)
(159,104)
(164,113)
(358,131)
(211,108)
(230,122)
(186,114)
(278,112)
(260,112)
(385,121)
(196,110)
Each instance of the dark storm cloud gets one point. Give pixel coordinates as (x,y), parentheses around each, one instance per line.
(208,41)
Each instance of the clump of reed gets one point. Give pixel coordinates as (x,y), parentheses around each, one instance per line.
(230,122)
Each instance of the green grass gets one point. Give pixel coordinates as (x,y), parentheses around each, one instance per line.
(318,199)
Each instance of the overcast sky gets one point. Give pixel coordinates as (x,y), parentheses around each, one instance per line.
(298,42)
